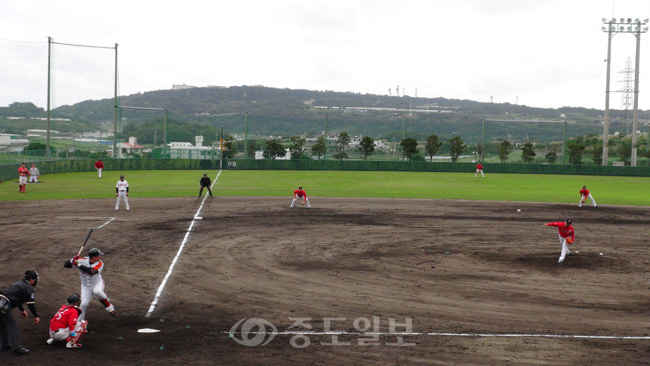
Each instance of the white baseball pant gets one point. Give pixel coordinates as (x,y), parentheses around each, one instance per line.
(565,249)
(122,196)
(62,334)
(87,293)
(298,198)
(583,199)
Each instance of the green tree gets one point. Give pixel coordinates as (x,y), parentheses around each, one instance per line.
(273,149)
(367,146)
(432,145)
(409,146)
(597,153)
(343,142)
(575,152)
(504,149)
(229,150)
(528,152)
(296,147)
(319,148)
(551,157)
(456,147)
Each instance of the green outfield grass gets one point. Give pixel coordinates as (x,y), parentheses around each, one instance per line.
(497,187)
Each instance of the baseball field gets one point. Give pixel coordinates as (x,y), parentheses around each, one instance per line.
(386,268)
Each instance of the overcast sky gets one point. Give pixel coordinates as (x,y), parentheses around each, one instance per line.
(539,53)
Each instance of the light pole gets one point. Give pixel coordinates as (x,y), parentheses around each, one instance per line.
(635,27)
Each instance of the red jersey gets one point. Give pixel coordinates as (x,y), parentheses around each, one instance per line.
(584,192)
(565,231)
(66,317)
(23,172)
(99,165)
(479,167)
(300,193)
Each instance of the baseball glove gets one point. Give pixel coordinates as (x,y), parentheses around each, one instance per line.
(569,241)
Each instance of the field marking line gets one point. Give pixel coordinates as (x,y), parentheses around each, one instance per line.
(106,223)
(436,334)
(178,254)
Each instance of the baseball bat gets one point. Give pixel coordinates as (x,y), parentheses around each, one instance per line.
(85,241)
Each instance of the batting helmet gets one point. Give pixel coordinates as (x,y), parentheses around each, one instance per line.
(94,252)
(73,299)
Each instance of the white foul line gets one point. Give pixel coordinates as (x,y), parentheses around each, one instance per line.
(106,223)
(180,250)
(486,335)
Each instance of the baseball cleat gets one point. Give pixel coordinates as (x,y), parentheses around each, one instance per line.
(73,345)
(50,341)
(21,351)
(113,314)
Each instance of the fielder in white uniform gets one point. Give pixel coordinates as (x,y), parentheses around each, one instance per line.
(33,174)
(122,193)
(92,283)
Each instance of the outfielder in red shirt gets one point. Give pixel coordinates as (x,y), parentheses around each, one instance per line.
(584,194)
(566,236)
(66,326)
(22,178)
(300,194)
(479,169)
(99,165)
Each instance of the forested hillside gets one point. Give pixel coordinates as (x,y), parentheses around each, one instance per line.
(286,112)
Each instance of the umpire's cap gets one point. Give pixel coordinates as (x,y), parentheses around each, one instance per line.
(31,275)
(94,252)
(73,299)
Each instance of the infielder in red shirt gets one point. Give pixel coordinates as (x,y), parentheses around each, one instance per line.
(66,326)
(479,169)
(584,194)
(22,178)
(566,235)
(300,194)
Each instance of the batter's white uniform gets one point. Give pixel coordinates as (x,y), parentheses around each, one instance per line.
(122,186)
(92,285)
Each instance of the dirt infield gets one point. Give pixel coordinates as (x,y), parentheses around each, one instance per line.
(470,272)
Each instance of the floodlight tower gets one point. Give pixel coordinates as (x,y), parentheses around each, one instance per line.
(613,27)
(628,80)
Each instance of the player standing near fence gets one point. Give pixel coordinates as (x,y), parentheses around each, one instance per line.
(99,165)
(22,178)
(122,193)
(479,169)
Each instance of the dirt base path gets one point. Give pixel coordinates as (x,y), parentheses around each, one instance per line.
(467,271)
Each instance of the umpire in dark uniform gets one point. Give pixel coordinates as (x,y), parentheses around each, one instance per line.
(21,292)
(205,182)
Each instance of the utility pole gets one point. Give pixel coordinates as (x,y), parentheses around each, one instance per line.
(246,135)
(49,60)
(115,109)
(325,137)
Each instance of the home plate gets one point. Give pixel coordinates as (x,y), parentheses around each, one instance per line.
(148,330)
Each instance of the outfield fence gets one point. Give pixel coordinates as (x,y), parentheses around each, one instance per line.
(10,171)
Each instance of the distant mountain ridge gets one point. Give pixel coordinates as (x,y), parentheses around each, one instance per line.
(285,112)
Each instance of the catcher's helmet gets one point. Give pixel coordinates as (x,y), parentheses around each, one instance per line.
(94,252)
(73,299)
